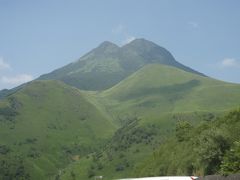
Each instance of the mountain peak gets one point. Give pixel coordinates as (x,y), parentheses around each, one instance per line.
(144,46)
(107,44)
(105,47)
(153,53)
(108,64)
(141,42)
(150,51)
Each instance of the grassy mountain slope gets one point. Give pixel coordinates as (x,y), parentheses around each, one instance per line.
(7,92)
(108,64)
(147,105)
(159,89)
(46,125)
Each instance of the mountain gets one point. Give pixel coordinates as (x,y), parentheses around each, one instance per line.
(46,125)
(57,127)
(108,64)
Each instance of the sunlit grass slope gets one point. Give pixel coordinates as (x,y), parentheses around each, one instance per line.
(157,89)
(46,125)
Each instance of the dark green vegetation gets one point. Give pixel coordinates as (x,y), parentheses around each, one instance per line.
(108,64)
(153,116)
(211,147)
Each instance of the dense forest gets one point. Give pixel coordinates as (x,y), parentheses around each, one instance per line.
(212,147)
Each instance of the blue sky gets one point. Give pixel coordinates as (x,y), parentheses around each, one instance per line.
(37,37)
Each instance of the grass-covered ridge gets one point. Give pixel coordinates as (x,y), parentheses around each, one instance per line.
(46,125)
(156,89)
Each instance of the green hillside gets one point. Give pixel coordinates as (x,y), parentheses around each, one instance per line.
(147,105)
(156,89)
(108,64)
(46,125)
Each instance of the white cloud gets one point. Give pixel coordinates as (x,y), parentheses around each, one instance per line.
(16,80)
(122,33)
(193,24)
(3,64)
(229,63)
(128,40)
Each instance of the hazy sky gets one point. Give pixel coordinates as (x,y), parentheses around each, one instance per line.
(38,36)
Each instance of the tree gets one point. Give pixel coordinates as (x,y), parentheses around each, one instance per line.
(91,173)
(231,161)
(73,175)
(211,146)
(182,130)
